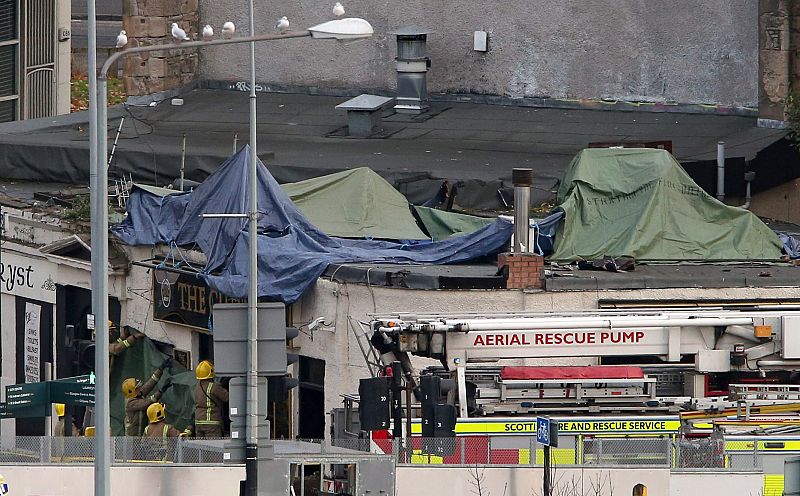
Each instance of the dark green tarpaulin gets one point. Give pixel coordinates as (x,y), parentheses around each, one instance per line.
(356,203)
(441,224)
(641,203)
(139,361)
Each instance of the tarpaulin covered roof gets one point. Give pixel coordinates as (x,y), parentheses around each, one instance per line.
(356,203)
(641,203)
(292,252)
(442,224)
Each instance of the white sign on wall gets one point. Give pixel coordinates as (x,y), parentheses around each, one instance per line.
(27,277)
(32,342)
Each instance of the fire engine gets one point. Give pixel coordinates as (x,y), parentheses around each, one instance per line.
(670,376)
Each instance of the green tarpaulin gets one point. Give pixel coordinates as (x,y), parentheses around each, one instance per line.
(441,224)
(641,203)
(356,203)
(139,361)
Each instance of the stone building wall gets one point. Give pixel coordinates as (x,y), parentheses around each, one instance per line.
(149,22)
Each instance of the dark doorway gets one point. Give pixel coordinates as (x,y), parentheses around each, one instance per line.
(73,304)
(312,398)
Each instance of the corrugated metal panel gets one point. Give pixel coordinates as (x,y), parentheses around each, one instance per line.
(40,32)
(8,110)
(8,20)
(39,49)
(8,70)
(40,93)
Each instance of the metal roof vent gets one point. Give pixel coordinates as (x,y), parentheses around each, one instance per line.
(412,70)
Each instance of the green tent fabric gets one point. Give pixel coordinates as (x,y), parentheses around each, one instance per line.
(441,224)
(139,361)
(641,203)
(356,203)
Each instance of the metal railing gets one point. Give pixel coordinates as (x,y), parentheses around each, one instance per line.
(664,452)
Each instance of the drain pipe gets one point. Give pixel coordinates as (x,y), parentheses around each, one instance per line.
(721,170)
(748,178)
(522,179)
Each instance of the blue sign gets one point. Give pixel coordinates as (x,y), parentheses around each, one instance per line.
(543,430)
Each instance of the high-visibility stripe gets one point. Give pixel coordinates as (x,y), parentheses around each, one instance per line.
(208,401)
(656,426)
(762,445)
(773,484)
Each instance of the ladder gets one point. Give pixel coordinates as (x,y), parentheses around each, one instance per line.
(372,358)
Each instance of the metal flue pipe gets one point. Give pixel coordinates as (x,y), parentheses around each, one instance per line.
(522,179)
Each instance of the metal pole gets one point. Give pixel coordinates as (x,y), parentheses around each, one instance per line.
(99,232)
(251,446)
(100,296)
(546,478)
(720,170)
(522,180)
(183,160)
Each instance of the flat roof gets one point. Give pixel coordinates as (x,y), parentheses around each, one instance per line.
(457,141)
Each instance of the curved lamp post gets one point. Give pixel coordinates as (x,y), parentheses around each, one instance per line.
(339,29)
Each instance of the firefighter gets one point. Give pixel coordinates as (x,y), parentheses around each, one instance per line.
(59,428)
(156,433)
(209,401)
(137,399)
(123,342)
(158,427)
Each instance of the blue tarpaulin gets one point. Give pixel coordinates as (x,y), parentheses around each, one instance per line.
(292,253)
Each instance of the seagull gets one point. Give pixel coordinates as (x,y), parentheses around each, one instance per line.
(228,29)
(208,32)
(178,33)
(338,10)
(122,39)
(283,24)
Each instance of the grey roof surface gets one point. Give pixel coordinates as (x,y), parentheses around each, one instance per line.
(454,140)
(484,276)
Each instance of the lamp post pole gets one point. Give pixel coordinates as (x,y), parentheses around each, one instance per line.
(251,425)
(98,184)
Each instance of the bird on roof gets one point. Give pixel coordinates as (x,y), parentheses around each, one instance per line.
(208,32)
(283,24)
(228,29)
(178,33)
(122,39)
(338,10)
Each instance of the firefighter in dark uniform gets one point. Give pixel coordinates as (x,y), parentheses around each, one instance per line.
(137,399)
(154,438)
(123,342)
(209,402)
(158,427)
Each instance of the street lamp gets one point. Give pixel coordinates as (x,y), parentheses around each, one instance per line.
(339,29)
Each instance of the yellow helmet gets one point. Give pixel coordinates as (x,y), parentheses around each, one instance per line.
(204,370)
(130,387)
(59,409)
(155,412)
(89,431)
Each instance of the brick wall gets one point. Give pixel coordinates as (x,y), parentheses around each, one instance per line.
(149,22)
(525,270)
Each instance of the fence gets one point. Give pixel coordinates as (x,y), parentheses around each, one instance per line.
(668,452)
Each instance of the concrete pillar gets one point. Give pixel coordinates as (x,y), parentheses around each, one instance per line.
(149,22)
(775,56)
